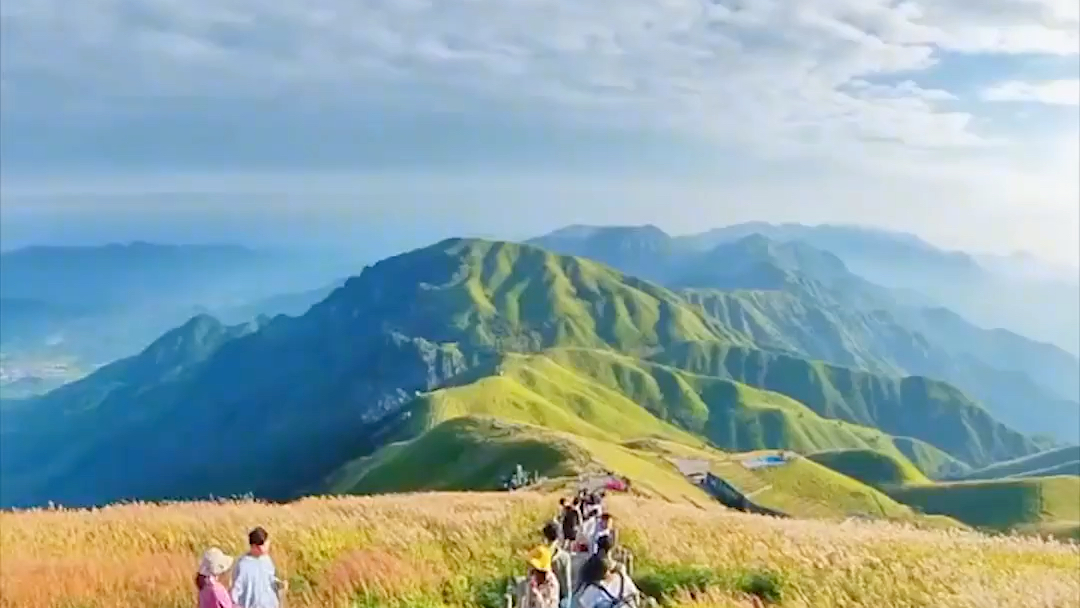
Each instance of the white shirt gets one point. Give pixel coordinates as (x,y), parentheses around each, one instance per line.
(255,582)
(617,586)
(587,531)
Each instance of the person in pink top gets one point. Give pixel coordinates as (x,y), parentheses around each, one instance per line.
(212,592)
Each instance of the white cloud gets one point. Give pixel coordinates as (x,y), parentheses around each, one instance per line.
(1062,92)
(751,72)
(836,79)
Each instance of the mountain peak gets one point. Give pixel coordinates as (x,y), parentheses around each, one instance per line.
(642,251)
(585,231)
(196,331)
(756,261)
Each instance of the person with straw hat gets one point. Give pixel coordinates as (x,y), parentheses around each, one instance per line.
(212,592)
(541,590)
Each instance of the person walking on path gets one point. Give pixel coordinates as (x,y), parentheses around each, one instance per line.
(609,587)
(255,581)
(587,531)
(541,590)
(212,593)
(604,527)
(561,564)
(570,522)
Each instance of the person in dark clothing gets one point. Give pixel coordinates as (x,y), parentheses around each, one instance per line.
(571,522)
(606,528)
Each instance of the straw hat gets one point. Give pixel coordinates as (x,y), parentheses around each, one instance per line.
(214,562)
(540,559)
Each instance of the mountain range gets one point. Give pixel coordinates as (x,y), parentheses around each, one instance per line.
(566,347)
(1016,292)
(789,296)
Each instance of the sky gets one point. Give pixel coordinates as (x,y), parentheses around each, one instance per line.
(386,124)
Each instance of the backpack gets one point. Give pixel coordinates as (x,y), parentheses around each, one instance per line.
(620,601)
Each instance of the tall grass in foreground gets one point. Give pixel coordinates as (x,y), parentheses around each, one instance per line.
(453,550)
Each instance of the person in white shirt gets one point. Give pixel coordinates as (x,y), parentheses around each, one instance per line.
(255,581)
(587,532)
(612,589)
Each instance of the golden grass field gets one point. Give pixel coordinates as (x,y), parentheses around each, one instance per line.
(426,550)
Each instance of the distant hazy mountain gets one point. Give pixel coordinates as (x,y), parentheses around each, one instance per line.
(292,304)
(104,302)
(27,321)
(111,276)
(1016,292)
(275,408)
(791,296)
(1029,267)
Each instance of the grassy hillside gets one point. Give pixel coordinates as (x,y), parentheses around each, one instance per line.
(455,550)
(568,411)
(461,454)
(998,504)
(807,323)
(872,468)
(1044,505)
(410,323)
(786,294)
(931,461)
(803,488)
(1061,459)
(423,334)
(604,395)
(899,406)
(599,410)
(477,453)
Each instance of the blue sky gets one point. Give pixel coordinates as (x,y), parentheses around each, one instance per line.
(399,121)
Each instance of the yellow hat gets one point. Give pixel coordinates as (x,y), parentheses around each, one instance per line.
(540,558)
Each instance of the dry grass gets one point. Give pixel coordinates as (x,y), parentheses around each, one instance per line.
(440,549)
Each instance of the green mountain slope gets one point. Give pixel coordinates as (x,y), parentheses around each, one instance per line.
(418,339)
(328,378)
(477,452)
(787,295)
(999,504)
(870,467)
(805,488)
(932,461)
(898,406)
(813,325)
(1060,459)
(460,454)
(617,398)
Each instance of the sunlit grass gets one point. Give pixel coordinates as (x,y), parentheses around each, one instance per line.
(454,550)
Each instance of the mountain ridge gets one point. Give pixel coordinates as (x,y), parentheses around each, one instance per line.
(332,383)
(760,286)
